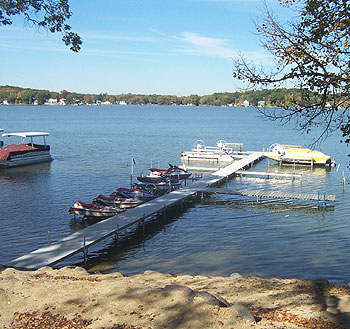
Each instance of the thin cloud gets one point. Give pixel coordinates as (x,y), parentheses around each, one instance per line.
(201,45)
(195,44)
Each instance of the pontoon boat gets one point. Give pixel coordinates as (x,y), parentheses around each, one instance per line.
(25,153)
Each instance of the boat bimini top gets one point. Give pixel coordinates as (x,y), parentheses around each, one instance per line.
(26,134)
(29,134)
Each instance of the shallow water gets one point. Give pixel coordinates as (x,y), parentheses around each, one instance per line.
(92,149)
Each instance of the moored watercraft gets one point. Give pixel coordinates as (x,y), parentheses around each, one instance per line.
(172,174)
(113,200)
(93,210)
(135,193)
(13,155)
(160,187)
(173,171)
(297,155)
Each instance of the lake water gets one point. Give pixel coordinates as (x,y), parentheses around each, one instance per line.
(92,149)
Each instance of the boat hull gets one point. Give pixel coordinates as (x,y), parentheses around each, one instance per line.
(158,179)
(300,156)
(137,194)
(26,159)
(91,210)
(122,203)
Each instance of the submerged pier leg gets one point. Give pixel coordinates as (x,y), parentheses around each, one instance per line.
(143,224)
(164,213)
(85,251)
(117,236)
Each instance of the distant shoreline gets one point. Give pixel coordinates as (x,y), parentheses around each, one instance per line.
(174,105)
(12,95)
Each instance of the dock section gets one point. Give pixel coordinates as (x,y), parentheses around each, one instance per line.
(275,194)
(85,238)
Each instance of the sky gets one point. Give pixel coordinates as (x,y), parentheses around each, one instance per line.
(170,47)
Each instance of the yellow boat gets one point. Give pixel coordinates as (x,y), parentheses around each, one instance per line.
(297,155)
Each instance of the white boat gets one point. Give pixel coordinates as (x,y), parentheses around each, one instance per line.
(26,152)
(297,155)
(222,152)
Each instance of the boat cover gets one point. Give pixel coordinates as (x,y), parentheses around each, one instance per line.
(14,149)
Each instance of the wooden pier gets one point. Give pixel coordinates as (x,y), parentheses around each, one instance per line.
(80,241)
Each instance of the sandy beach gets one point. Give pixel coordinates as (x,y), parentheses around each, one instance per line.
(73,298)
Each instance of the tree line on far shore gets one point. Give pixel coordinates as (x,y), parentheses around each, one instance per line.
(271,98)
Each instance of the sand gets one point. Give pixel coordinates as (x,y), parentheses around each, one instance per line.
(73,298)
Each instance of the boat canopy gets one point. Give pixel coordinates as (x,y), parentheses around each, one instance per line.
(26,134)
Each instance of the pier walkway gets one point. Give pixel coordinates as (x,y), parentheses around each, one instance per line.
(275,194)
(81,240)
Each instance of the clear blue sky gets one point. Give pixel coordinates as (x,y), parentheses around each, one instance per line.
(178,47)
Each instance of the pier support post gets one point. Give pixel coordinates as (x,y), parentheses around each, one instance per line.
(85,251)
(117,236)
(48,237)
(164,213)
(343,181)
(143,224)
(324,200)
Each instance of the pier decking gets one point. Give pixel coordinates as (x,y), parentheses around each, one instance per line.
(275,194)
(85,238)
(267,174)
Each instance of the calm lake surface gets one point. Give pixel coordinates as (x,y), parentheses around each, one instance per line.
(92,149)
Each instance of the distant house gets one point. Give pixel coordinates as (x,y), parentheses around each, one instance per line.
(51,101)
(4,102)
(261,103)
(62,101)
(245,103)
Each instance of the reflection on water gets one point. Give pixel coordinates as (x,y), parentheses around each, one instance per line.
(20,172)
(221,235)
